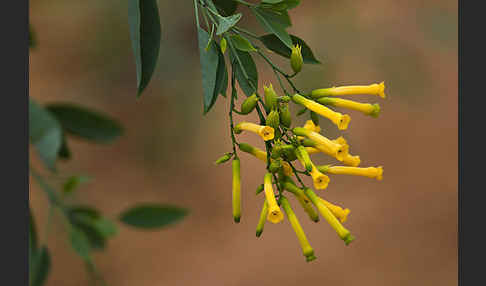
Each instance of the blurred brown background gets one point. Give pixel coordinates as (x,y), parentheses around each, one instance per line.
(406,225)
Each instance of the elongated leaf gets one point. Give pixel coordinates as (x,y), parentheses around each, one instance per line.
(85,123)
(273,43)
(226,23)
(145,33)
(279,5)
(41,264)
(80,243)
(209,67)
(45,133)
(221,77)
(224,84)
(271,25)
(151,216)
(245,71)
(280,17)
(242,43)
(226,7)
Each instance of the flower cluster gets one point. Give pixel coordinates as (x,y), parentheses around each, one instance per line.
(285,145)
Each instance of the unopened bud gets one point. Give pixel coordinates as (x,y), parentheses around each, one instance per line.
(270,97)
(296,59)
(285,116)
(223,158)
(249,104)
(223,45)
(273,119)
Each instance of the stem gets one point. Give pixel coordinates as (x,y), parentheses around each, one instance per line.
(197,13)
(232,106)
(296,175)
(238,29)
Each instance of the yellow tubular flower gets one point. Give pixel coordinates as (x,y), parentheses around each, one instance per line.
(353,161)
(309,124)
(236,190)
(312,150)
(372,89)
(266,132)
(337,211)
(366,108)
(340,120)
(304,243)
(343,233)
(320,180)
(324,144)
(263,219)
(370,172)
(274,213)
(302,198)
(262,155)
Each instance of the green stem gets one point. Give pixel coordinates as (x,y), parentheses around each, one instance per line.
(232,106)
(197,13)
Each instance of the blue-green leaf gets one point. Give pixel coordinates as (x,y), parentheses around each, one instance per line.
(41,264)
(272,23)
(245,71)
(145,33)
(86,123)
(242,44)
(273,43)
(226,23)
(45,133)
(209,68)
(152,216)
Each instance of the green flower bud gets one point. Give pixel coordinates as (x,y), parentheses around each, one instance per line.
(285,116)
(223,45)
(273,119)
(249,104)
(296,59)
(270,97)
(275,165)
(284,98)
(263,218)
(236,190)
(223,158)
(304,157)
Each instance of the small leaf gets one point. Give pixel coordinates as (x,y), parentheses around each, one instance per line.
(80,243)
(41,264)
(209,66)
(106,227)
(45,133)
(271,25)
(246,73)
(151,216)
(273,43)
(85,123)
(242,43)
(145,34)
(226,23)
(32,38)
(73,183)
(226,7)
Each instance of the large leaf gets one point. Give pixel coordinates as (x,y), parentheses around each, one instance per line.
(280,5)
(145,33)
(226,23)
(226,7)
(273,43)
(209,60)
(86,123)
(270,24)
(80,243)
(45,133)
(151,216)
(242,43)
(245,71)
(41,264)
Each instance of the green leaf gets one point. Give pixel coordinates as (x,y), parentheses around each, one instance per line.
(41,264)
(280,17)
(279,5)
(85,123)
(32,38)
(151,216)
(242,43)
(45,133)
(64,152)
(271,25)
(221,77)
(209,60)
(80,243)
(226,7)
(73,182)
(246,73)
(273,43)
(145,34)
(226,23)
